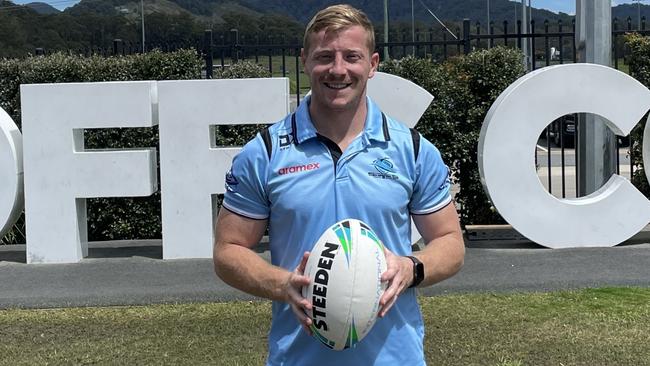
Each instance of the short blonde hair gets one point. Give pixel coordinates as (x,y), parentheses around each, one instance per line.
(336,18)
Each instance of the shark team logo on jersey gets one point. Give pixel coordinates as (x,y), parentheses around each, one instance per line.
(385,169)
(231,181)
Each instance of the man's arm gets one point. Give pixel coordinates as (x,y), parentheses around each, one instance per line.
(240,267)
(442,256)
(444,253)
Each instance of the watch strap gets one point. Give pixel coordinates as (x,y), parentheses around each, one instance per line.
(418,271)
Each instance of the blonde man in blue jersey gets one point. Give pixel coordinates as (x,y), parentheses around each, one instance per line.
(338,156)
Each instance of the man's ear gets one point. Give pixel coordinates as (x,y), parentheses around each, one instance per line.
(374,64)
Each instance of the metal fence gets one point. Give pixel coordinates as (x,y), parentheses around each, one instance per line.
(551,43)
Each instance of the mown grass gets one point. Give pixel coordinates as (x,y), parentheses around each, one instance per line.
(609,326)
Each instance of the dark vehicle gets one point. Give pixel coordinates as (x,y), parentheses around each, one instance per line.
(567,125)
(563,131)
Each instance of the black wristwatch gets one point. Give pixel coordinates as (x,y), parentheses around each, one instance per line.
(418,271)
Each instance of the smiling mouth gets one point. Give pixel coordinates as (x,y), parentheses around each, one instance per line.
(337,86)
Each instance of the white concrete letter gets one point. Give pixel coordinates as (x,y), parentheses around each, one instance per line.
(606,217)
(60,174)
(192,169)
(11,173)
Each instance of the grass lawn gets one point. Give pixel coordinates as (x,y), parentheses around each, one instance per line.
(608,326)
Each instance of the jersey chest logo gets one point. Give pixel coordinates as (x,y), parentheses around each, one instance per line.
(298,168)
(384,169)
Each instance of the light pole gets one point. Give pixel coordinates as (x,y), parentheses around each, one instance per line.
(488,24)
(524,42)
(638,10)
(596,148)
(142,18)
(386,56)
(413,26)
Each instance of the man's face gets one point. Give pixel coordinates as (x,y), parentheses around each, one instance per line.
(339,65)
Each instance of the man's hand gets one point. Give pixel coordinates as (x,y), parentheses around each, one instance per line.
(399,275)
(293,291)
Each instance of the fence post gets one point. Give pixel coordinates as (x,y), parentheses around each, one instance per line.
(559,27)
(491,33)
(207,52)
(116,46)
(234,43)
(547,48)
(466,27)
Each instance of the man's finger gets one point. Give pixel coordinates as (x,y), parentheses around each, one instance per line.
(301,315)
(388,274)
(295,297)
(303,263)
(384,309)
(388,295)
(298,281)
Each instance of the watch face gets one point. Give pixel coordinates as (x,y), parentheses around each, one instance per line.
(418,271)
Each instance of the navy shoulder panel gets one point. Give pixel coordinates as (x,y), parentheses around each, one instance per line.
(415,136)
(268,143)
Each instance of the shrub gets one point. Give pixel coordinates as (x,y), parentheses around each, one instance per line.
(639,63)
(464,89)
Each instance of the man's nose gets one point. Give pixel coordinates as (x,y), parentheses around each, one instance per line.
(338,66)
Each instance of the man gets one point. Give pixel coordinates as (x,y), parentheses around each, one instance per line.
(321,165)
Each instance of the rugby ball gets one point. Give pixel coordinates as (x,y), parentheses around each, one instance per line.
(345,267)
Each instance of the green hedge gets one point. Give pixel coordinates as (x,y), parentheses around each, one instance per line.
(464,89)
(113,218)
(639,62)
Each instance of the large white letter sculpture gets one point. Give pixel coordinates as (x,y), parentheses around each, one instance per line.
(11,178)
(192,168)
(606,217)
(60,174)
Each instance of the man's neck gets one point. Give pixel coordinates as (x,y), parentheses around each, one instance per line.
(340,126)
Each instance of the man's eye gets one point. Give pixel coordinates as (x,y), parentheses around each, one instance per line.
(353,57)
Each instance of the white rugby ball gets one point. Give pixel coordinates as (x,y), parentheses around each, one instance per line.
(345,268)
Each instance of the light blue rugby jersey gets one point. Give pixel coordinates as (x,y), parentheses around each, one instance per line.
(303,190)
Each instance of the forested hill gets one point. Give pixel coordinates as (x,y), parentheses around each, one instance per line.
(95,23)
(302,11)
(43,8)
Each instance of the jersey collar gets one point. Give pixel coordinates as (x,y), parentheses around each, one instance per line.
(376,126)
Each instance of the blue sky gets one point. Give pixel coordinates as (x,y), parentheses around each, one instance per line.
(59,4)
(567,6)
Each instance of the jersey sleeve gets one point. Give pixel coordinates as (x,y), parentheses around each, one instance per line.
(246,193)
(432,184)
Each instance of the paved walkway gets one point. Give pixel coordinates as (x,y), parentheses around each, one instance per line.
(132,273)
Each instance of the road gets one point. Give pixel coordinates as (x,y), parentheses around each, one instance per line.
(132,273)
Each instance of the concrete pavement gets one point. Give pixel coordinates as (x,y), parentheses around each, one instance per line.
(132,273)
